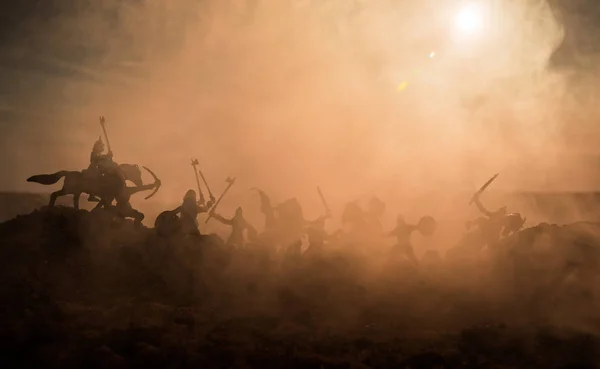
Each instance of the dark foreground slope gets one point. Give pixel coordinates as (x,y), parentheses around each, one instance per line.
(79,291)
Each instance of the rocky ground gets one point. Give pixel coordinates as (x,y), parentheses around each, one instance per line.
(80,291)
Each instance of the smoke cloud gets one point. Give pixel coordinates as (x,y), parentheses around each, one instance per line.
(360,98)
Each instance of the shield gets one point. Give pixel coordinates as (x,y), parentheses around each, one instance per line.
(167,224)
(427,225)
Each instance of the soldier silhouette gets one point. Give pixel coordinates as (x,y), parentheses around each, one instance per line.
(189,210)
(100,164)
(373,216)
(403,233)
(238,226)
(492,225)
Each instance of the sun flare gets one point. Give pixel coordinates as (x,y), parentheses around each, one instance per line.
(469,20)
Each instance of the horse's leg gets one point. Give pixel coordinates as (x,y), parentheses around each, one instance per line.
(55,195)
(105,202)
(76,200)
(130,212)
(137,216)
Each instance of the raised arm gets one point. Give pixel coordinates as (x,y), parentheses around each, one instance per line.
(222,219)
(391,233)
(319,222)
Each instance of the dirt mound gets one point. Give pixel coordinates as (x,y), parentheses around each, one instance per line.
(83,290)
(13,204)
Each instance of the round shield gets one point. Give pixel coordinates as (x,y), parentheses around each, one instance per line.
(427,225)
(167,224)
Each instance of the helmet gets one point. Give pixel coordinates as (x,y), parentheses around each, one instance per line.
(190,195)
(99,145)
(376,206)
(427,225)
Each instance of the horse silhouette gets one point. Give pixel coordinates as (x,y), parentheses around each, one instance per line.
(106,187)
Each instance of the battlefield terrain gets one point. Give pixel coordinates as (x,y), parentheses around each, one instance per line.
(81,290)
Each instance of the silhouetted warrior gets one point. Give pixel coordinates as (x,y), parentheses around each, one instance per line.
(267,209)
(100,164)
(238,226)
(354,226)
(124,209)
(316,241)
(285,223)
(403,233)
(188,212)
(291,225)
(123,194)
(496,224)
(354,217)
(374,214)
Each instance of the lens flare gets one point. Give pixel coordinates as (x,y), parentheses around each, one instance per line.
(469,20)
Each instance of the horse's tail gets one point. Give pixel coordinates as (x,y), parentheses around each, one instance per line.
(48,179)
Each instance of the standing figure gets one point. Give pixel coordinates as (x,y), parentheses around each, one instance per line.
(291,223)
(373,215)
(492,225)
(403,233)
(316,241)
(189,210)
(498,223)
(354,232)
(267,209)
(238,226)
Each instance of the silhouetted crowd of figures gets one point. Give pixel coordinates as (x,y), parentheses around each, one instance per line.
(285,227)
(291,270)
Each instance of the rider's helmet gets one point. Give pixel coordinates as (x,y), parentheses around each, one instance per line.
(98,145)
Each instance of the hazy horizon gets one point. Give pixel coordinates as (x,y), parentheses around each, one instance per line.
(292,96)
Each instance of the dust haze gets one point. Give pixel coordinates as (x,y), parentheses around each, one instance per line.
(418,103)
(360,98)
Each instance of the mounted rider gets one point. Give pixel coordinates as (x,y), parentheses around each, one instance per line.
(101,164)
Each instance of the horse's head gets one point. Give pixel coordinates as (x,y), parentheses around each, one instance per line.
(133,173)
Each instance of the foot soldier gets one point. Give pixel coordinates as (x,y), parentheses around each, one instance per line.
(238,226)
(122,194)
(495,224)
(373,216)
(189,210)
(403,232)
